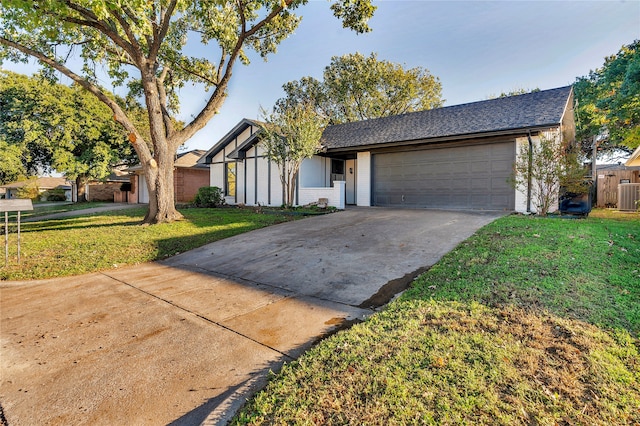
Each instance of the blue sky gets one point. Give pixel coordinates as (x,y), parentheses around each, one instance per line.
(476,48)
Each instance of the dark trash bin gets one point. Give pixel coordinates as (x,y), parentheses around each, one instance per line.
(573,203)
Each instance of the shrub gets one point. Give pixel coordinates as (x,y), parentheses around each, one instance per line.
(209,196)
(54,195)
(30,190)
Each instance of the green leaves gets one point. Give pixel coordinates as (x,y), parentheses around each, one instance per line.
(355,14)
(289,136)
(49,125)
(155,47)
(357,88)
(608,100)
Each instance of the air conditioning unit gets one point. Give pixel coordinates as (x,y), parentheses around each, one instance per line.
(628,195)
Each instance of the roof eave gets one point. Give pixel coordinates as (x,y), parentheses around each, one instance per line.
(451,138)
(226,139)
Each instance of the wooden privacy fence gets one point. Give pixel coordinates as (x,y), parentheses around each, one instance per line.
(607,185)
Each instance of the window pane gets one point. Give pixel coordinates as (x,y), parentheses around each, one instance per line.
(231,180)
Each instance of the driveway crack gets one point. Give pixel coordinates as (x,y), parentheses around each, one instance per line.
(196,314)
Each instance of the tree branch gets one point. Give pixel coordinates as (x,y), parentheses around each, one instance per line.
(119,115)
(162,96)
(217,97)
(93,21)
(165,20)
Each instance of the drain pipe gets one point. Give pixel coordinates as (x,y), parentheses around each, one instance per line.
(529,171)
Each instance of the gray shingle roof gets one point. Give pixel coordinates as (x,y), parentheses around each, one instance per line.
(528,111)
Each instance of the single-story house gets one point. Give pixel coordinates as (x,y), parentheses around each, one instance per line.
(43,184)
(188,176)
(455,157)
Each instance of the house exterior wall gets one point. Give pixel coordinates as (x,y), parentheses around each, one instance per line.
(258,179)
(187,181)
(102,191)
(241,179)
(363,179)
(143,191)
(133,194)
(276,191)
(313,172)
(521,193)
(335,195)
(216,175)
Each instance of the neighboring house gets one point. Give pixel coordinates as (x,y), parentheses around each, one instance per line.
(109,188)
(634,160)
(609,177)
(456,157)
(43,184)
(188,177)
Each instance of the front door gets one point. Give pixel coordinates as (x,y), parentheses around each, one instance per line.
(350,178)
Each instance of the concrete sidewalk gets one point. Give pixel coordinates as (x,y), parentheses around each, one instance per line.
(184,341)
(90,210)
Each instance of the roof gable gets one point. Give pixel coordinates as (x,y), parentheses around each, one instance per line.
(189,158)
(532,110)
(238,129)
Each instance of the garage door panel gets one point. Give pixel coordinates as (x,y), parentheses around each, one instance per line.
(474,177)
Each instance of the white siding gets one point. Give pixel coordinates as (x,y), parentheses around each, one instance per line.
(312,172)
(240,182)
(334,195)
(263,181)
(250,185)
(143,191)
(521,196)
(521,193)
(276,186)
(216,175)
(363,179)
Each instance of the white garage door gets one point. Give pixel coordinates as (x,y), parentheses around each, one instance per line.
(465,177)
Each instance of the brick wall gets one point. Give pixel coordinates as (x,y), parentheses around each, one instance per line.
(187,182)
(103,191)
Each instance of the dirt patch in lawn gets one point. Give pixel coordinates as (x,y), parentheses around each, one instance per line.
(459,363)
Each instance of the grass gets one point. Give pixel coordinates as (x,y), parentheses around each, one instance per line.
(49,208)
(77,245)
(533,321)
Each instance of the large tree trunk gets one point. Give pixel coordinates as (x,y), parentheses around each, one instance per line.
(159,177)
(159,169)
(81,182)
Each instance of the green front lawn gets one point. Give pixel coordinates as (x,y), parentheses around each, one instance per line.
(43,209)
(77,245)
(532,321)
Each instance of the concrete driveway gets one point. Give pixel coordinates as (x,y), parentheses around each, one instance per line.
(185,340)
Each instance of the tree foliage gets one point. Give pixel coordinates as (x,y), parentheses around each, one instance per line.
(289,136)
(608,101)
(514,92)
(549,167)
(11,166)
(47,126)
(156,47)
(356,87)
